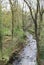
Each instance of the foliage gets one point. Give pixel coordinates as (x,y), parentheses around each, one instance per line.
(10,45)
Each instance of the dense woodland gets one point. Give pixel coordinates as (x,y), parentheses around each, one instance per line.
(15,19)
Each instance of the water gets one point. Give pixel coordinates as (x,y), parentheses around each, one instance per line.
(28,54)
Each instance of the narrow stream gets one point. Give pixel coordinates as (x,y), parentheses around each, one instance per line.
(28,54)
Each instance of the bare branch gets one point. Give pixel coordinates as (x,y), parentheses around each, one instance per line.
(10,3)
(38,9)
(43,11)
(30,9)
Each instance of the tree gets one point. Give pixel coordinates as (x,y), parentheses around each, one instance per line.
(1,30)
(35,20)
(15,10)
(11,5)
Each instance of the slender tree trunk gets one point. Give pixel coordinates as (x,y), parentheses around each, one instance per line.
(12,11)
(12,24)
(37,41)
(1,32)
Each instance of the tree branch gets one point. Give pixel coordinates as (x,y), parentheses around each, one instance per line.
(42,11)
(38,9)
(10,3)
(30,9)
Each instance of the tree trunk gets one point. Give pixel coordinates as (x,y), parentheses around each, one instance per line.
(37,40)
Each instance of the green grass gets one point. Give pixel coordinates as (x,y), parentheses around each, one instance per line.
(6,31)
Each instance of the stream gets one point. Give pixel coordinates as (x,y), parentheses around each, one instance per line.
(28,54)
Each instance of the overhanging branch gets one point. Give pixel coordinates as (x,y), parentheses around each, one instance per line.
(30,9)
